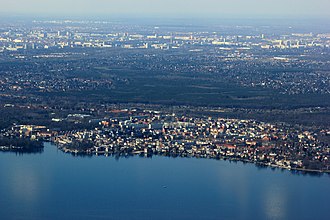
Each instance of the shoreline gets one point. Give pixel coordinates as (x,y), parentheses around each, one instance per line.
(141,153)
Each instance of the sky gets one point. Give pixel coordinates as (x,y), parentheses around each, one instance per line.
(170,8)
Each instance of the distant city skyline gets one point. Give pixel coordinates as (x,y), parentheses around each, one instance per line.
(170,8)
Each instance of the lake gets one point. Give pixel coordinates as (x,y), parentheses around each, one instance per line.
(54,185)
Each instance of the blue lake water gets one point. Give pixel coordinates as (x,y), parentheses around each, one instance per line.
(54,185)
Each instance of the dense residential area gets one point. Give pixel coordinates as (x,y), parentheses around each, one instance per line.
(149,132)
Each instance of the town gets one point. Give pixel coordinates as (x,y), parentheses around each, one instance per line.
(149,132)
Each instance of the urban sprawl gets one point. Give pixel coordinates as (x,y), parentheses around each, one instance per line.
(244,93)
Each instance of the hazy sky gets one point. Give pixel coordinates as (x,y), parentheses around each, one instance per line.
(168,8)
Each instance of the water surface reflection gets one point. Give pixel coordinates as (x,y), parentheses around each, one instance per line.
(54,185)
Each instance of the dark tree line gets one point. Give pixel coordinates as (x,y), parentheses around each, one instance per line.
(21,144)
